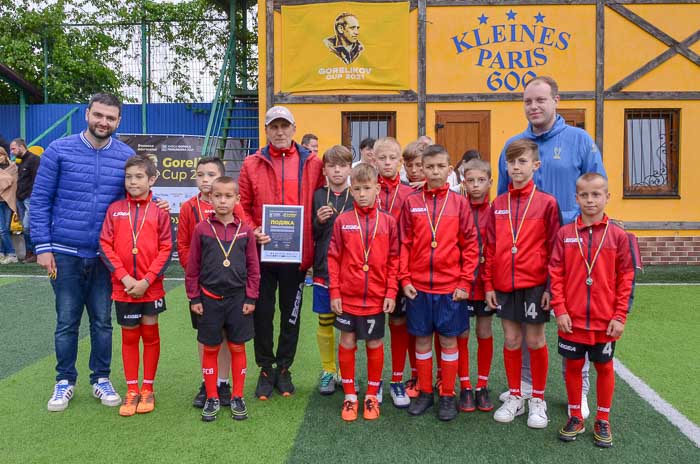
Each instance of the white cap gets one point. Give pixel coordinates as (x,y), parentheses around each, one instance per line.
(278,112)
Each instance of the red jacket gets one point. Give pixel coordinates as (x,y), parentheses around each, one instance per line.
(259,185)
(390,199)
(611,293)
(453,264)
(154,245)
(505,271)
(480,216)
(363,292)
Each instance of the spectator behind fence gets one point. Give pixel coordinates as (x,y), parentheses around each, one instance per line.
(8,190)
(28,164)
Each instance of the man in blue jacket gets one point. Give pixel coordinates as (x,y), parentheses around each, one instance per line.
(566,152)
(79,176)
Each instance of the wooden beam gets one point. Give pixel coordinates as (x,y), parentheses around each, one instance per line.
(655,32)
(650,225)
(652,95)
(422,20)
(507,2)
(280,3)
(653,64)
(599,73)
(269,54)
(498,97)
(405,96)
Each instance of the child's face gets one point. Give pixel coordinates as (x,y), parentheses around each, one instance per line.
(477,183)
(224,197)
(137,182)
(414,169)
(592,196)
(436,169)
(364,193)
(206,175)
(522,168)
(337,174)
(387,160)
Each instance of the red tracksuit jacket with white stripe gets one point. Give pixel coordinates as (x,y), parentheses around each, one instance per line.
(480,216)
(505,271)
(454,262)
(592,307)
(363,293)
(154,245)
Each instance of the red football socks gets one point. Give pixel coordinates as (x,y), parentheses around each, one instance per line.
(375,365)
(513,362)
(130,357)
(238,368)
(424,364)
(574,385)
(605,386)
(463,367)
(399,348)
(484,356)
(210,369)
(539,365)
(346,360)
(151,354)
(448,359)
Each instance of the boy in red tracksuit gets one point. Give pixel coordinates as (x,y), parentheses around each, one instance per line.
(439,259)
(392,194)
(222,280)
(475,186)
(364,249)
(592,278)
(135,245)
(520,236)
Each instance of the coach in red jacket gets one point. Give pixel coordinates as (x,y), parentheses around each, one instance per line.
(282,173)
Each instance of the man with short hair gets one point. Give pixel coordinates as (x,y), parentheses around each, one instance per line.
(345,44)
(79,176)
(310,142)
(28,167)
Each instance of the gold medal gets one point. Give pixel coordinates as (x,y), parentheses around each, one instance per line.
(589,281)
(482,260)
(134,233)
(591,265)
(365,267)
(330,204)
(433,244)
(514,250)
(226,263)
(366,249)
(434,228)
(134,251)
(515,234)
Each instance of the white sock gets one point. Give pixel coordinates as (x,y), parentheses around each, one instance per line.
(352,398)
(220,381)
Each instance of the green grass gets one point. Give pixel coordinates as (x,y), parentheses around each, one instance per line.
(306,427)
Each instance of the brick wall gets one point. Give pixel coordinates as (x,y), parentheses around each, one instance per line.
(670,250)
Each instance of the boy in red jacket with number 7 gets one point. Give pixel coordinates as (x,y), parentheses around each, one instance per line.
(592,280)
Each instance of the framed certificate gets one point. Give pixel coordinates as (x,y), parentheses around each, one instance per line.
(285,226)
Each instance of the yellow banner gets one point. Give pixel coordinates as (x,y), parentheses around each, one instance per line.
(345,45)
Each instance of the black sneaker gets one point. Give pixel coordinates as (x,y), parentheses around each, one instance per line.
(422,403)
(238,409)
(266,383)
(200,398)
(466,400)
(483,401)
(601,434)
(573,428)
(284,382)
(210,410)
(224,391)
(448,408)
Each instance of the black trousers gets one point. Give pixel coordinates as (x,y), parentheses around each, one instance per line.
(290,281)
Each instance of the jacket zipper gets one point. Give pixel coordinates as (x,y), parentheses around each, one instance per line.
(588,287)
(512,255)
(478,259)
(432,250)
(94,197)
(364,298)
(136,221)
(283,156)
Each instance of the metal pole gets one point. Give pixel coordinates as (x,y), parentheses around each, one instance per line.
(46,70)
(23,114)
(144,68)
(233,82)
(244,48)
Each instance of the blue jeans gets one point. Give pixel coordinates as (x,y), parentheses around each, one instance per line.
(82,283)
(5,235)
(23,211)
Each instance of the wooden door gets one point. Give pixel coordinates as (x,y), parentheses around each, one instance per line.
(459,131)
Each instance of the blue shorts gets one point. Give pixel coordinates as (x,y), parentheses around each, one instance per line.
(430,312)
(322,300)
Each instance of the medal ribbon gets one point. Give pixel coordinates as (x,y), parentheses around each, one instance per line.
(589,267)
(367,250)
(434,229)
(333,207)
(135,234)
(393,200)
(199,209)
(221,245)
(516,234)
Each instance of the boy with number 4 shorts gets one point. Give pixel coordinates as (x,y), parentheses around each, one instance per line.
(592,278)
(439,258)
(363,260)
(222,281)
(135,245)
(520,236)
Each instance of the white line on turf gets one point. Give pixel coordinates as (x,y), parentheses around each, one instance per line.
(663,407)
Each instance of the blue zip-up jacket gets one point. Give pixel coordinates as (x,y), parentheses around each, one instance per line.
(75,185)
(566,153)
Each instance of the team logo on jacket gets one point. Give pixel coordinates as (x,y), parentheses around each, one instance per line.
(572,240)
(419,210)
(557,153)
(350,227)
(120,214)
(501,211)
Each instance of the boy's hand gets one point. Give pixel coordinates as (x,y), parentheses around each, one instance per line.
(491,299)
(337,306)
(615,328)
(129,283)
(410,292)
(197,308)
(261,238)
(163,204)
(139,288)
(417,184)
(459,295)
(324,213)
(389,305)
(546,298)
(564,324)
(248,308)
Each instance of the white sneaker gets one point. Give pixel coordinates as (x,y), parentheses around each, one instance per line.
(62,393)
(9,259)
(513,406)
(525,392)
(537,415)
(104,391)
(585,411)
(399,396)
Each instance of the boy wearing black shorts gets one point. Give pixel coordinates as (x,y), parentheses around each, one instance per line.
(222,281)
